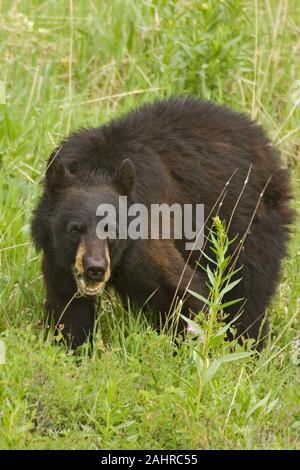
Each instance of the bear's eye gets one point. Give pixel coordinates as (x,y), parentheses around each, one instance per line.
(75,229)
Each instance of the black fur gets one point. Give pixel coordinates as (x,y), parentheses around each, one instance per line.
(182,150)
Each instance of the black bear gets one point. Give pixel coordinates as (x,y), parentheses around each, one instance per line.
(174,151)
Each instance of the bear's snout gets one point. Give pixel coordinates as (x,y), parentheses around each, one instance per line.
(91,270)
(94,269)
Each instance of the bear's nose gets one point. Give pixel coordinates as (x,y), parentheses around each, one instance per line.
(95,270)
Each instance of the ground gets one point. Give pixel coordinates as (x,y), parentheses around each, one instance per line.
(71,64)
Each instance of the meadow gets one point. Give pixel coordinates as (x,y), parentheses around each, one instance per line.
(68,64)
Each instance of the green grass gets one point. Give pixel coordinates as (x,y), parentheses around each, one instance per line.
(67,64)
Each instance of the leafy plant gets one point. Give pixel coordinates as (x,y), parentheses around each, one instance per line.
(209,329)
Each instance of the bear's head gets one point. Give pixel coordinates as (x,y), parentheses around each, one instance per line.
(84,224)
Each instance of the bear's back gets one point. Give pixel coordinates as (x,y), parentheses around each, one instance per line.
(184,150)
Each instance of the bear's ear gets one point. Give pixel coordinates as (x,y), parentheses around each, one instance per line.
(58,176)
(125,177)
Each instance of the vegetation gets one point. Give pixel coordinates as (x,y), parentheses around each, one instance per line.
(67,64)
